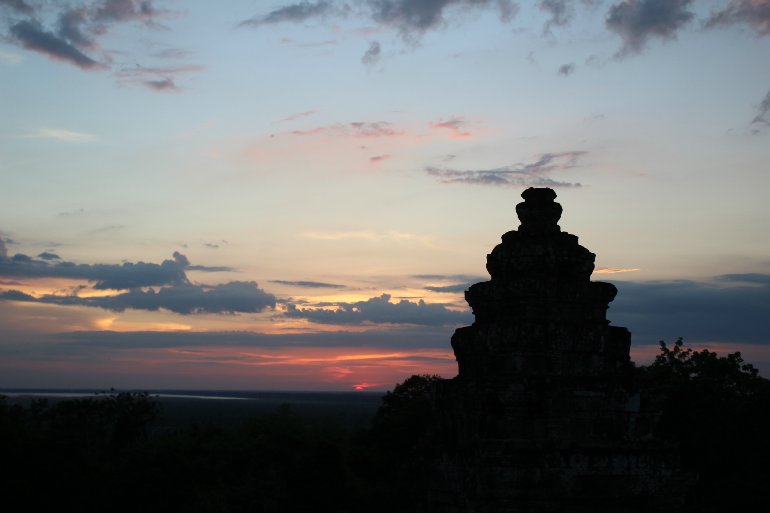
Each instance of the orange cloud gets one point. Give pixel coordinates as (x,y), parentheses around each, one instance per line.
(615,270)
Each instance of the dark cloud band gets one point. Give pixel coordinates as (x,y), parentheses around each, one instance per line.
(185,299)
(379,310)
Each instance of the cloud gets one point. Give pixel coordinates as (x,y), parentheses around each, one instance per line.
(309,284)
(456,126)
(378,158)
(354,129)
(516,175)
(3,250)
(70,27)
(173,53)
(763,112)
(379,310)
(293,13)
(72,34)
(731,308)
(157,78)
(45,255)
(104,276)
(412,19)
(458,287)
(396,338)
(63,135)
(452,277)
(372,54)
(754,13)
(409,17)
(750,278)
(465,280)
(566,70)
(615,270)
(561,13)
(127,10)
(185,298)
(19,6)
(298,115)
(32,36)
(636,21)
(161,84)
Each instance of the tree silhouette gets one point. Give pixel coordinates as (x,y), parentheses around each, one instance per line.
(717,409)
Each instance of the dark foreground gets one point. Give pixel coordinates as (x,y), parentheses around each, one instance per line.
(135,452)
(240,452)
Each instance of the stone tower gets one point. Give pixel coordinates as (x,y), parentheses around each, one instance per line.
(542,416)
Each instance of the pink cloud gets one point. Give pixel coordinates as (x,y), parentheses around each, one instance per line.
(365,129)
(455,125)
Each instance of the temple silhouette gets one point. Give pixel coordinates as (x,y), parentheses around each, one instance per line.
(543,415)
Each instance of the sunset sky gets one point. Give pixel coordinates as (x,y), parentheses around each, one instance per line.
(264,194)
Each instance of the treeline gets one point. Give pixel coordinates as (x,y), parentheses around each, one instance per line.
(102,454)
(716,409)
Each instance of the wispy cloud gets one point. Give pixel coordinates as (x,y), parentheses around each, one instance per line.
(376,159)
(566,70)
(294,13)
(457,287)
(3,250)
(403,338)
(560,11)
(754,13)
(637,21)
(763,112)
(455,125)
(158,78)
(410,18)
(173,53)
(615,270)
(516,175)
(361,129)
(298,115)
(309,284)
(746,278)
(372,54)
(413,19)
(62,135)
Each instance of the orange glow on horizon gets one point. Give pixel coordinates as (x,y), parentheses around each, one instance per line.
(363,386)
(615,270)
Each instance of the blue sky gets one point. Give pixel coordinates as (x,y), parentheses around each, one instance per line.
(322,178)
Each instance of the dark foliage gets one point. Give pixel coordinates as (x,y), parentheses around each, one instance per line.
(717,410)
(400,448)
